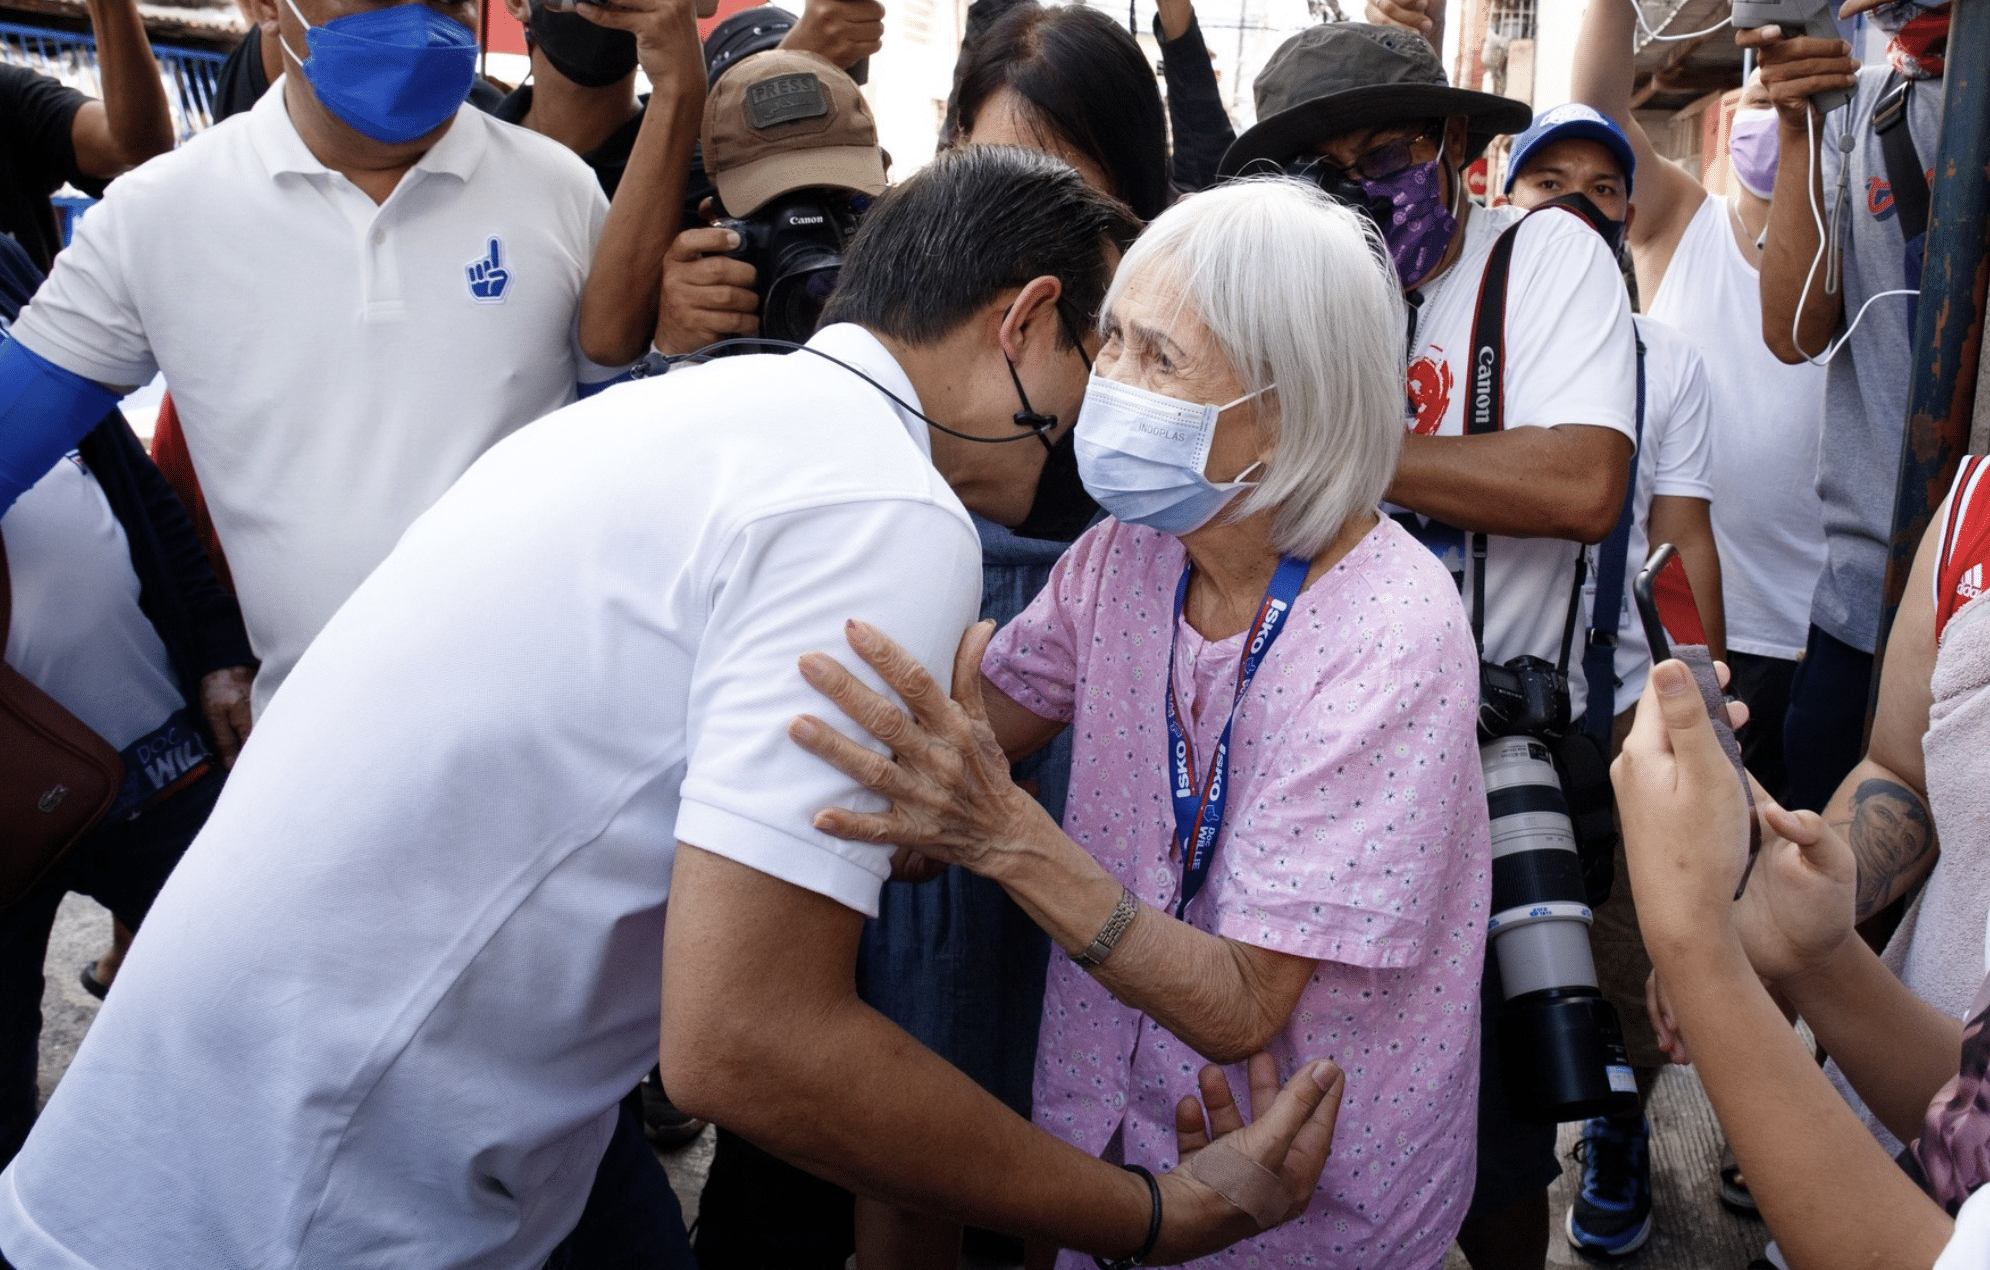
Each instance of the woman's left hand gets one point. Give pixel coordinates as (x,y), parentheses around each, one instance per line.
(952,799)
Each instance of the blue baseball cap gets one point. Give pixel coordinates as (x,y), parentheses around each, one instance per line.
(1572,122)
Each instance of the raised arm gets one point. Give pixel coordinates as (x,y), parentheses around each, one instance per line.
(618,306)
(1665,196)
(1200,128)
(1792,70)
(132,122)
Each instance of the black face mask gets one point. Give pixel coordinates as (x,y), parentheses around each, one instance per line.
(589,55)
(1612,230)
(1061,509)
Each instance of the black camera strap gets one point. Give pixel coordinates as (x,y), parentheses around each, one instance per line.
(1485,412)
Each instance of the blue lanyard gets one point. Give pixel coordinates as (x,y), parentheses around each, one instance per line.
(1199,811)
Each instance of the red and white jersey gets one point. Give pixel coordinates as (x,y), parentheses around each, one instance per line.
(1965,545)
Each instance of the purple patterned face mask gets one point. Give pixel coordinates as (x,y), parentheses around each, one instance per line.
(1418,226)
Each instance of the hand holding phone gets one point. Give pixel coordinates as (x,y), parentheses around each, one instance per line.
(1665,561)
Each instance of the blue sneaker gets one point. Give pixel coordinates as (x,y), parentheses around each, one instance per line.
(1611,1215)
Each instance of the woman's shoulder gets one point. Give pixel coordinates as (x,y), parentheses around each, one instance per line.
(1391,571)
(1112,557)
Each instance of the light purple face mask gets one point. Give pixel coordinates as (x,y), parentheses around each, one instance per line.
(1752,150)
(1420,226)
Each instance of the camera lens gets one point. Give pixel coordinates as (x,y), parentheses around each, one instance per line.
(1561,1043)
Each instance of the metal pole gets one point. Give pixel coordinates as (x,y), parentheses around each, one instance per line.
(1948,334)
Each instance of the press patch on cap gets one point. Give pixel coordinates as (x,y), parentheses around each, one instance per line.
(784,99)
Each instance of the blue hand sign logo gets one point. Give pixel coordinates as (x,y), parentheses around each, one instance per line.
(488,277)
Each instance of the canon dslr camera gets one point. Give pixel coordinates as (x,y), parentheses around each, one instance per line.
(795,245)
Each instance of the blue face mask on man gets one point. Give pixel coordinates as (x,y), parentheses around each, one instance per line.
(393,74)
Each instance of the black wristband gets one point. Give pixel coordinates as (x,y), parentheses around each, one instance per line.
(1153,1226)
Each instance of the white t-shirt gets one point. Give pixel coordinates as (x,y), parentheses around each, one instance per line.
(1768,520)
(76,631)
(1676,460)
(382,1013)
(1569,359)
(333,368)
(1969,1247)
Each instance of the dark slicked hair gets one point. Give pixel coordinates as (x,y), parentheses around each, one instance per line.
(971,224)
(1079,76)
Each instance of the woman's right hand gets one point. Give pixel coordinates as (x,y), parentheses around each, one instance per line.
(1291,1134)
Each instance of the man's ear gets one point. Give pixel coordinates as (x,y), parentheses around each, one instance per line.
(1630,216)
(519,9)
(1032,315)
(262,14)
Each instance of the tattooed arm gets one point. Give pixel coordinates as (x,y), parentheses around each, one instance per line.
(1882,807)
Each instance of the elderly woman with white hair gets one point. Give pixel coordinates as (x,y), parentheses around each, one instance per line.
(1276,836)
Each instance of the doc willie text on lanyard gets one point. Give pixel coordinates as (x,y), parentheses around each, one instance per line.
(1199,806)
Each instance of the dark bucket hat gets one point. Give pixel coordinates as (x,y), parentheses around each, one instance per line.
(1340,76)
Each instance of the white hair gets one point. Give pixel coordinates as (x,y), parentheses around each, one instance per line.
(1298,294)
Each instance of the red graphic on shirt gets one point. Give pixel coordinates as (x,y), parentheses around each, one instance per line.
(1430,393)
(1879,197)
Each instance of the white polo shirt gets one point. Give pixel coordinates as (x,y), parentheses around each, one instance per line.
(334,366)
(382,1013)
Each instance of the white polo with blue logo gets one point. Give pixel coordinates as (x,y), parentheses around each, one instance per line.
(382,1013)
(336,364)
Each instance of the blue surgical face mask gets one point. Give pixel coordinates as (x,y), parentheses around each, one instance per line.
(393,74)
(1141,455)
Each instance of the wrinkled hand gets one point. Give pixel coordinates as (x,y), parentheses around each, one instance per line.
(1684,819)
(1291,1133)
(948,781)
(224,699)
(1797,68)
(666,31)
(706,296)
(1411,15)
(841,32)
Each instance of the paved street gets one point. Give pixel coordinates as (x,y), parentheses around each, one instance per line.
(1694,1231)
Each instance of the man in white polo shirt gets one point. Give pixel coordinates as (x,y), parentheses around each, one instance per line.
(354,290)
(383,1013)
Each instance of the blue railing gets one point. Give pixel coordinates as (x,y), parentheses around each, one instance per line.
(192,77)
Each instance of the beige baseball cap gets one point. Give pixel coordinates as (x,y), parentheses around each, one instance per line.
(785,120)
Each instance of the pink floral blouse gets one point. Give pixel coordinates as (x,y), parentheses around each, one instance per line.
(1356,835)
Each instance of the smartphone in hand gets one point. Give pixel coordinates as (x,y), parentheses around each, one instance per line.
(1664,570)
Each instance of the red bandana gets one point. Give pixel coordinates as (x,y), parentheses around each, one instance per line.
(1916,53)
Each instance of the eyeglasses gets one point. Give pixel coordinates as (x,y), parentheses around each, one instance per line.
(1378,164)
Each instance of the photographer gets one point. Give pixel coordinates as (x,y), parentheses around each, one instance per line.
(1505,508)
(708,291)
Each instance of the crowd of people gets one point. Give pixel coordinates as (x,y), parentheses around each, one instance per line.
(1124,656)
